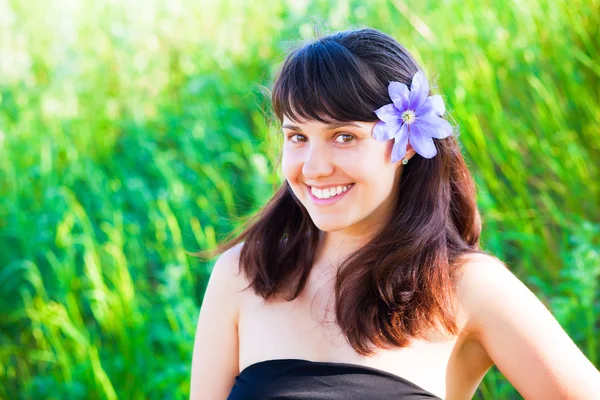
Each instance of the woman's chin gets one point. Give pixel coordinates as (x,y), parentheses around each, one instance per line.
(329,225)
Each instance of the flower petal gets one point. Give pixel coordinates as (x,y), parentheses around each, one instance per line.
(387,113)
(431,105)
(383,131)
(422,144)
(399,94)
(433,126)
(419,90)
(437,103)
(424,109)
(400,143)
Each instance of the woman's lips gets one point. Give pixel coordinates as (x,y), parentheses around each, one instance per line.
(331,200)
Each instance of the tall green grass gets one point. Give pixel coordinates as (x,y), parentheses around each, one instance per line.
(131,133)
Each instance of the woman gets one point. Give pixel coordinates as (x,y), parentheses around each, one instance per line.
(364,274)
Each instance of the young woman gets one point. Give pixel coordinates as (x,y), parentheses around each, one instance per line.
(364,275)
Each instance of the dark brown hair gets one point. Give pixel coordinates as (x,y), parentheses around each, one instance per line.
(401,282)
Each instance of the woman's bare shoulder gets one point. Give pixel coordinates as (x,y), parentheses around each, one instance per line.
(473,268)
(520,335)
(470,265)
(477,274)
(228,272)
(216,345)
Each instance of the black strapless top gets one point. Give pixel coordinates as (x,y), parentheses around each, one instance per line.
(297,379)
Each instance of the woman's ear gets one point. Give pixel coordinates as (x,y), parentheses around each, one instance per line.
(410,152)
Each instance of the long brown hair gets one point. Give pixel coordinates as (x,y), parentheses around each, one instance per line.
(402,281)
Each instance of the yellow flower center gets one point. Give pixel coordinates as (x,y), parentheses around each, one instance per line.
(408,116)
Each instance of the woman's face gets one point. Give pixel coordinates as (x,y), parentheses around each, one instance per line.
(318,157)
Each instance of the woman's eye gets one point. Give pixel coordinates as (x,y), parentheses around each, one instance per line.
(347,137)
(291,136)
(298,138)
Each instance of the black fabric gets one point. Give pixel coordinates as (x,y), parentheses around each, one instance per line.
(297,379)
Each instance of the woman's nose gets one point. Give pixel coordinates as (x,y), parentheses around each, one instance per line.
(317,163)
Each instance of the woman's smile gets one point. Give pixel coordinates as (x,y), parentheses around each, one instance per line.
(324,197)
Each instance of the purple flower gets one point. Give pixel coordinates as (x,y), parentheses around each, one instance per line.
(412,117)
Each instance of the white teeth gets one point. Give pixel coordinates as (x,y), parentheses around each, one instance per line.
(328,193)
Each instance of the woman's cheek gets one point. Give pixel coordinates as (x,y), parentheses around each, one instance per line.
(290,166)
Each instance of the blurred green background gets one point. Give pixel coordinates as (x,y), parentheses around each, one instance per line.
(132,132)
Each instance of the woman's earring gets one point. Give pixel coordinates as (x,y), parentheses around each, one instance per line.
(405,161)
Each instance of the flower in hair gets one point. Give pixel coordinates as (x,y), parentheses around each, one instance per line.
(413,118)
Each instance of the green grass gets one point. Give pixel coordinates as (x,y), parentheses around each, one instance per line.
(130,135)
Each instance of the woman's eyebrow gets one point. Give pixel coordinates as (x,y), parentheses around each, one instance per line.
(333,125)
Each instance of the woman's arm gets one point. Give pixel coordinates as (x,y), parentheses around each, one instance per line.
(522,337)
(215,361)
